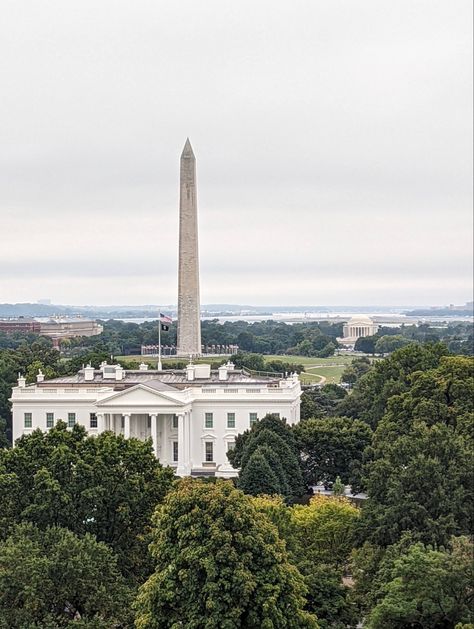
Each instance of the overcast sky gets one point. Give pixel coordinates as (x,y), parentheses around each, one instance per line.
(333,142)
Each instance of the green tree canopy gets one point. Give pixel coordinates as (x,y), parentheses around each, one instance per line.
(390,343)
(280,457)
(219,563)
(427,588)
(331,447)
(321,401)
(388,377)
(52,578)
(420,469)
(257,476)
(104,485)
(270,422)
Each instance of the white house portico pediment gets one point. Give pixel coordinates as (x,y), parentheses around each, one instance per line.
(140,396)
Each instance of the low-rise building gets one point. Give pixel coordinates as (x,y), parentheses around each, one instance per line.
(25,325)
(193,416)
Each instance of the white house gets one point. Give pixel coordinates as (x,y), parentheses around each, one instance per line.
(193,416)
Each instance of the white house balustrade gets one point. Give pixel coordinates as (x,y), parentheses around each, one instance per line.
(184,413)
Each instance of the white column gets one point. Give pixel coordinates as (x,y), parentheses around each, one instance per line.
(100,422)
(154,433)
(187,441)
(126,426)
(183,468)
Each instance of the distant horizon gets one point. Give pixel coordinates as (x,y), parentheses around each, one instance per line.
(244,306)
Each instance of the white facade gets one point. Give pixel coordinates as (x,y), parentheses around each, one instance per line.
(356,328)
(192,416)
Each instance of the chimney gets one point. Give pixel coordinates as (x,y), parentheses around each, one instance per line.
(21,381)
(119,372)
(40,376)
(143,367)
(223,372)
(89,373)
(190,372)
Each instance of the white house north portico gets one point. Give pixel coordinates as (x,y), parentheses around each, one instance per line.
(192,416)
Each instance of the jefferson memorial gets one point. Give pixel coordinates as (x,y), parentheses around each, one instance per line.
(357,327)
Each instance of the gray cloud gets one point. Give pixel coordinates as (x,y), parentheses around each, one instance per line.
(333,144)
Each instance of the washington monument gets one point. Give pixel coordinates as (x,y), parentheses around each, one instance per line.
(189,323)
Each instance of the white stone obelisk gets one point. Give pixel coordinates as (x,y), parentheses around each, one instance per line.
(189,321)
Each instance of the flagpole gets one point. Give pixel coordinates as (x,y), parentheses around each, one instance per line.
(160,367)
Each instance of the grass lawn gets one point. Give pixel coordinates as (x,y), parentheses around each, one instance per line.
(316,368)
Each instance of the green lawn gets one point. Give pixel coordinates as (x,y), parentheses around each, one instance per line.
(316,369)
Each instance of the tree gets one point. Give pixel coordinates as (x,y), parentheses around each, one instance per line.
(321,401)
(419,469)
(257,477)
(52,578)
(280,457)
(219,563)
(330,447)
(388,377)
(427,588)
(366,344)
(321,540)
(104,485)
(338,487)
(354,371)
(269,422)
(388,344)
(326,528)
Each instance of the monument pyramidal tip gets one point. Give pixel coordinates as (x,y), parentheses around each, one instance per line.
(189,321)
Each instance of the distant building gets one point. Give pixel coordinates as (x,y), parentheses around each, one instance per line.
(25,325)
(58,328)
(193,416)
(359,326)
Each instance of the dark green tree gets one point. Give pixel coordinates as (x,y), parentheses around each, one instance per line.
(331,447)
(321,401)
(52,578)
(270,422)
(388,344)
(427,588)
(104,485)
(219,563)
(283,460)
(258,477)
(388,377)
(419,476)
(366,344)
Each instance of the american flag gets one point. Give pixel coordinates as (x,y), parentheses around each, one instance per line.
(165,319)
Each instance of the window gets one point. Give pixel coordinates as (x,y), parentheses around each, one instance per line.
(148,422)
(230,420)
(49,420)
(209,420)
(71,419)
(92,420)
(174,422)
(230,445)
(253,419)
(209,451)
(28,420)
(175,451)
